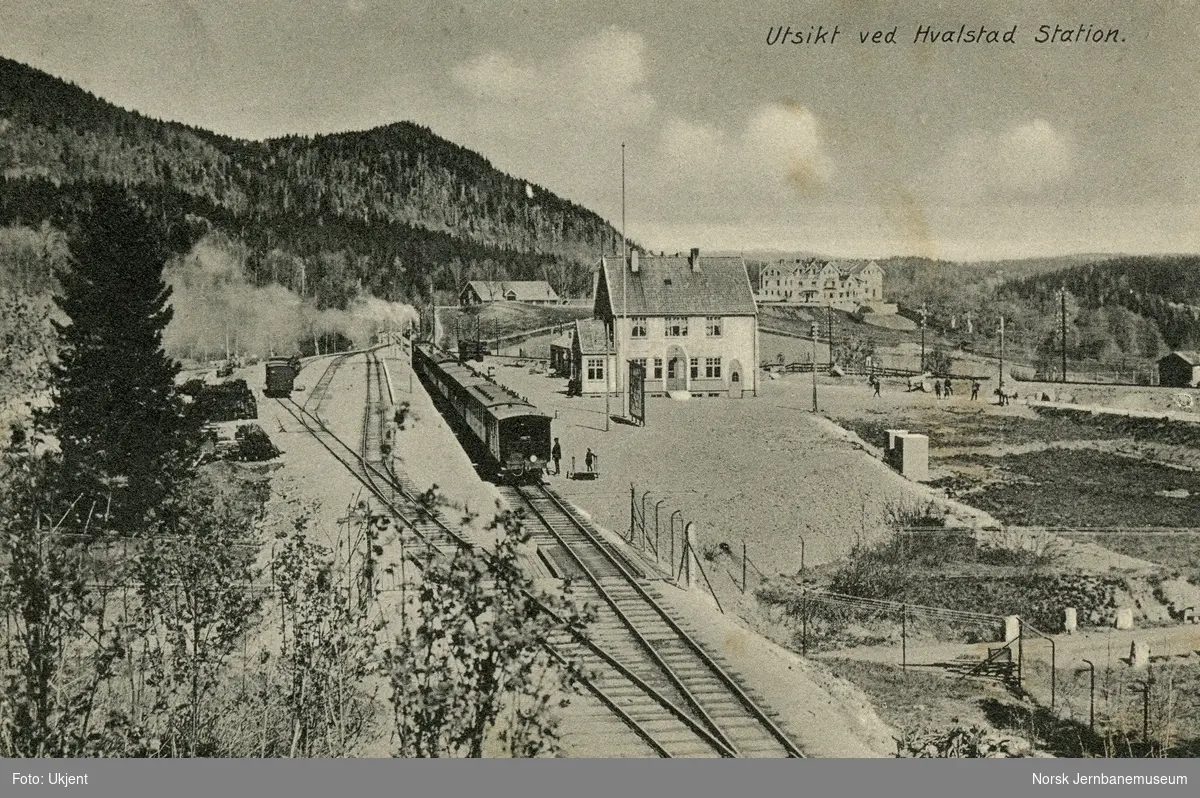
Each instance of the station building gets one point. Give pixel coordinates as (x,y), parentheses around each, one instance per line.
(690,320)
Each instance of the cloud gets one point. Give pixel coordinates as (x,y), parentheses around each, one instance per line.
(1024,159)
(594,77)
(777,155)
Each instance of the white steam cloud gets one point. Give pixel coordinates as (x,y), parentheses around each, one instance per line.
(220,313)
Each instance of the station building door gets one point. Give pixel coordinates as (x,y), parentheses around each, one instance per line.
(677,366)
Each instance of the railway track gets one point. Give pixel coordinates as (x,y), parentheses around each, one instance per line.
(662,724)
(634,627)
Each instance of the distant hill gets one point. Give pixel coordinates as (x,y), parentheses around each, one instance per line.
(410,203)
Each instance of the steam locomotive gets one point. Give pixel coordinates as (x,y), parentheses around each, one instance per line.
(510,435)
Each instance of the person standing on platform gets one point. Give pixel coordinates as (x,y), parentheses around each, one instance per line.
(589,461)
(556,456)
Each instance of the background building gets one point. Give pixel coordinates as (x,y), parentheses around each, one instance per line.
(1179,369)
(845,285)
(534,292)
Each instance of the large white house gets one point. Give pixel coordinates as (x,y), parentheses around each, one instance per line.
(690,320)
(838,284)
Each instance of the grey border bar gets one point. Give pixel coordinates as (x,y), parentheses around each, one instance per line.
(116,778)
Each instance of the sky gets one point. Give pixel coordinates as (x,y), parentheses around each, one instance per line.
(950,150)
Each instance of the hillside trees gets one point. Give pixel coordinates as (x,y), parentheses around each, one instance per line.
(121,427)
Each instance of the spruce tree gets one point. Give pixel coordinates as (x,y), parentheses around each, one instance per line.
(123,432)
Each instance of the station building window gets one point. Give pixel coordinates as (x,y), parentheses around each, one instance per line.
(712,367)
(712,326)
(695,367)
(658,368)
(595,368)
(638,329)
(677,326)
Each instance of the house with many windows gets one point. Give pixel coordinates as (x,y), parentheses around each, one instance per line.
(845,285)
(690,320)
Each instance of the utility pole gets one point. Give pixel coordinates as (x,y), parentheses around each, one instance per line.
(924,315)
(814,364)
(829,330)
(1002,356)
(1064,333)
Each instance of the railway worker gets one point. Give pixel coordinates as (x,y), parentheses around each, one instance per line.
(937,388)
(974,390)
(948,389)
(556,455)
(589,461)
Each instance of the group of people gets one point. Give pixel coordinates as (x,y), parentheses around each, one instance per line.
(589,460)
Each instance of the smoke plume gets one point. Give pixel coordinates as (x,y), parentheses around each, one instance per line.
(221,313)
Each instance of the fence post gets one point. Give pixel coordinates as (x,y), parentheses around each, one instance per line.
(632,507)
(643,520)
(804,621)
(904,638)
(743,566)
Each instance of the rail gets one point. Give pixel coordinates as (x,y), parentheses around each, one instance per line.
(672,677)
(730,684)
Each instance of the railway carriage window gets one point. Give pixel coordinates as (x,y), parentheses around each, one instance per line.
(712,326)
(677,326)
(595,369)
(695,366)
(712,367)
(639,327)
(658,368)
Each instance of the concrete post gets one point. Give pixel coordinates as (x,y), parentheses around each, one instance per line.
(1124,618)
(1139,654)
(1012,628)
(1070,621)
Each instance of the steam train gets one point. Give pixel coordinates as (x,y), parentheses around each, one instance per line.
(510,434)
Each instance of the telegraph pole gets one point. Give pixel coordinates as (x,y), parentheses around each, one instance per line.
(924,314)
(814,365)
(1002,357)
(829,331)
(1064,333)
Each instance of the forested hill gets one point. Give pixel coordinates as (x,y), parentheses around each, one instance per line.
(1163,289)
(394,192)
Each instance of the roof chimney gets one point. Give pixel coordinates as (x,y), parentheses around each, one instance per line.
(694,259)
(633,263)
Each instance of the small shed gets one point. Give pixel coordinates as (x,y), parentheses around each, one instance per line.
(1179,369)
(560,354)
(592,358)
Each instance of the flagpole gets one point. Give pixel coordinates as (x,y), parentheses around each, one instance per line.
(624,297)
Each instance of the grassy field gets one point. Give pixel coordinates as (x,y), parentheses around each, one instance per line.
(506,318)
(1080,488)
